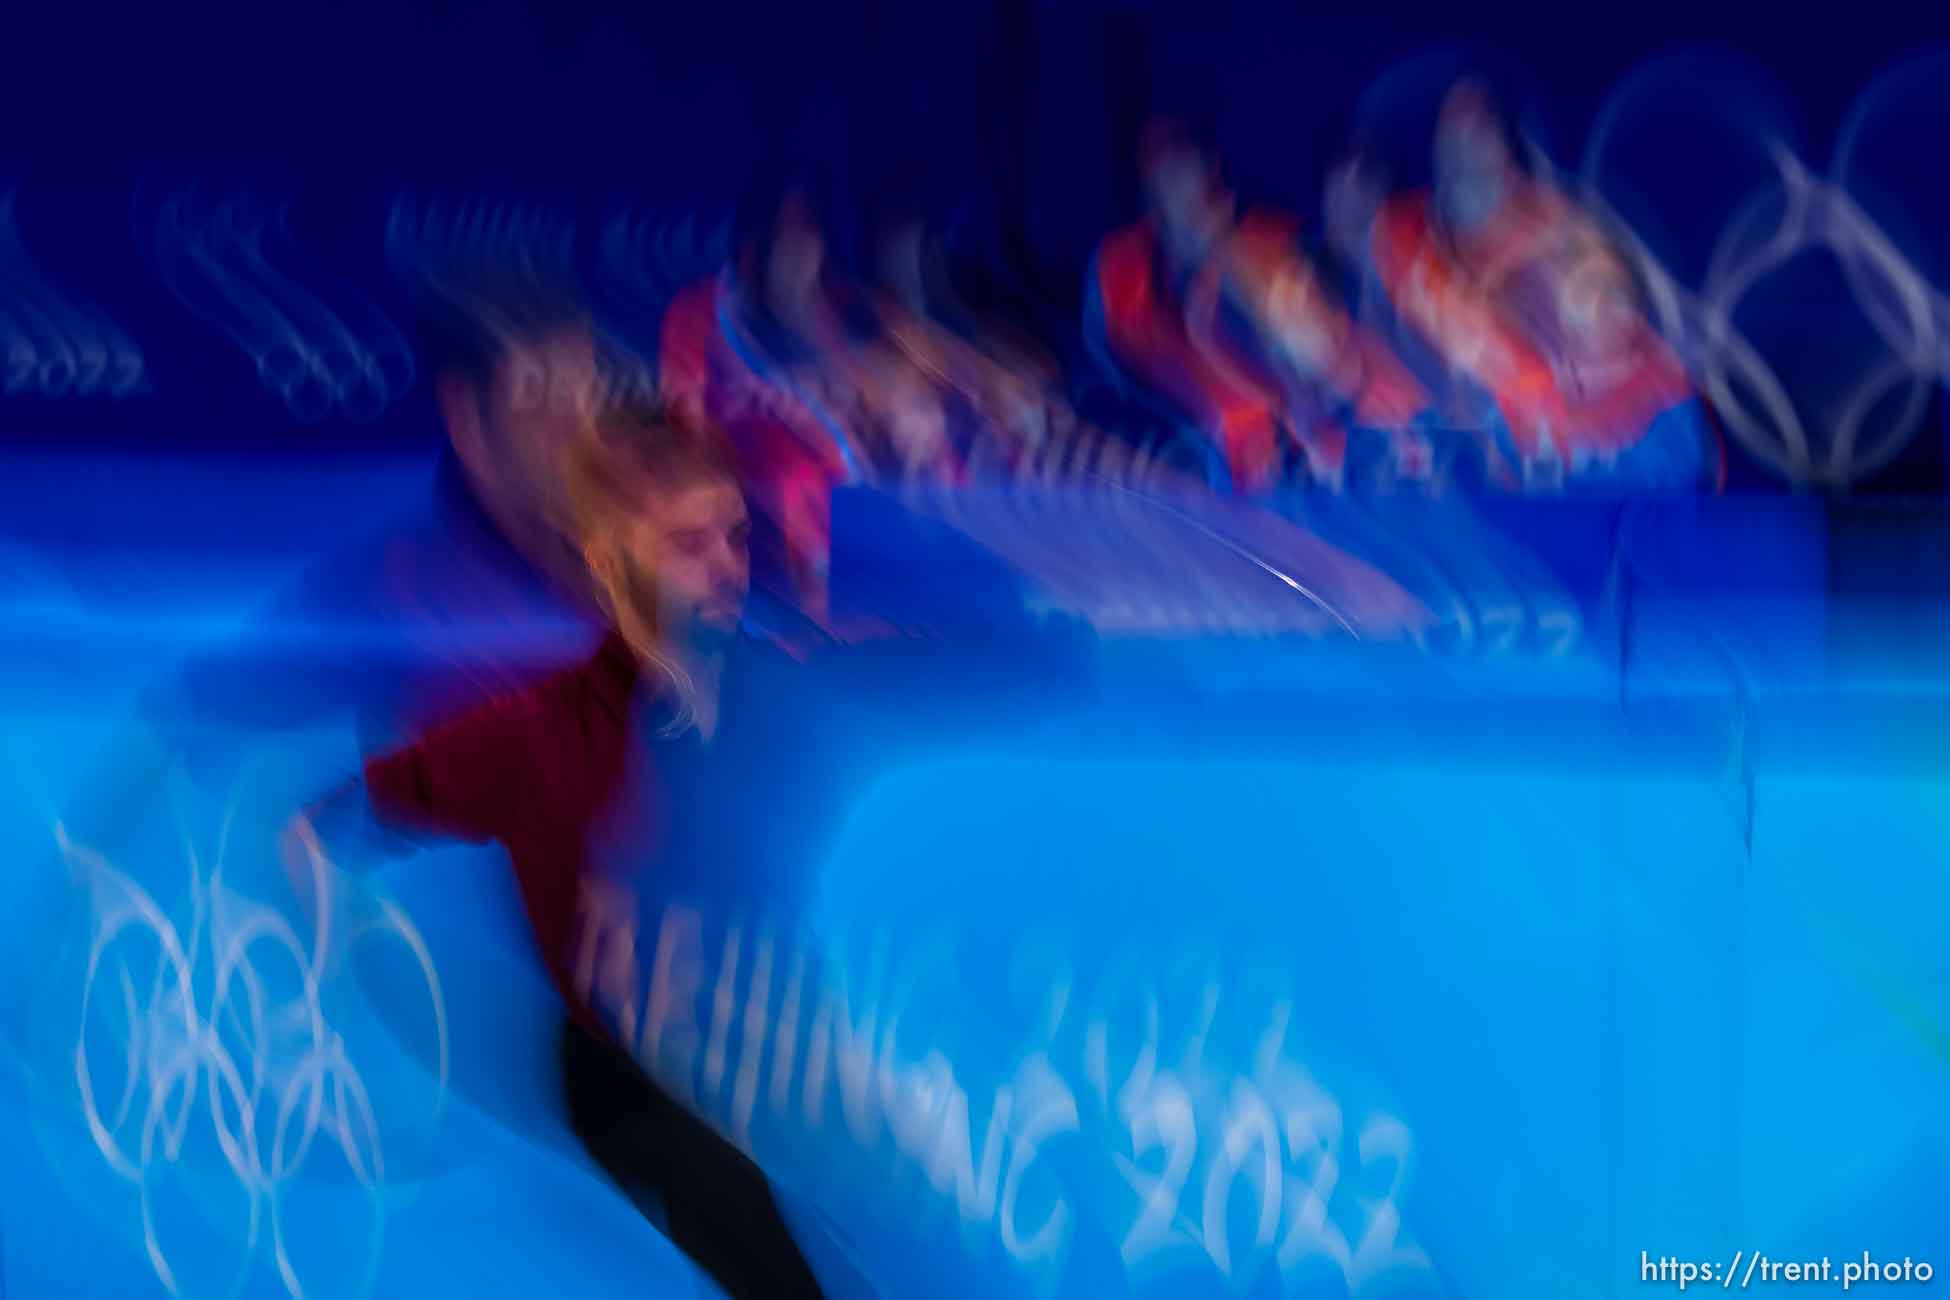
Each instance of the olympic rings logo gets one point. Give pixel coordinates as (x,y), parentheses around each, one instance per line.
(1911,320)
(1865,417)
(293,1071)
(54,347)
(213,260)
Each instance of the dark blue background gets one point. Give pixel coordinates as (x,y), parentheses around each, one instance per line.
(1014,120)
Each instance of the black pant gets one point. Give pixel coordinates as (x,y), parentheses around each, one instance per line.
(718,1205)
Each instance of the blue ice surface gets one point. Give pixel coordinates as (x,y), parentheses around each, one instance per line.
(1633,949)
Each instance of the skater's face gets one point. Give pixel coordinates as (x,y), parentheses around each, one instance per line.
(688,560)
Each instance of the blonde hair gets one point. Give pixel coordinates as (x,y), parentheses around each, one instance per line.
(623,451)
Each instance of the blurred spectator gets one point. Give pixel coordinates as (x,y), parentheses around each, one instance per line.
(1339,380)
(1003,387)
(1535,323)
(1141,279)
(1222,311)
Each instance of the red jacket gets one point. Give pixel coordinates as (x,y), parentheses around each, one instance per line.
(574,780)
(1148,333)
(538,772)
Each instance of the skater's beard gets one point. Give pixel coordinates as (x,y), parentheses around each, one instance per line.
(669,624)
